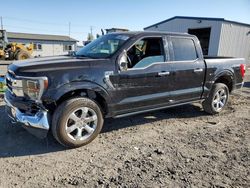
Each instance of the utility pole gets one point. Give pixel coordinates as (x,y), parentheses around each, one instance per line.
(69,28)
(91,30)
(1,22)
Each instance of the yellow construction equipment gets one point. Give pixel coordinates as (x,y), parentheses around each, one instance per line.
(13,51)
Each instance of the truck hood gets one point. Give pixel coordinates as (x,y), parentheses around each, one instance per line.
(47,65)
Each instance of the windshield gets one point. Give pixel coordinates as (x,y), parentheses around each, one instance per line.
(103,47)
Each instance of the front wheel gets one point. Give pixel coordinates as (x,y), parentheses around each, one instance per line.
(76,122)
(21,55)
(217,99)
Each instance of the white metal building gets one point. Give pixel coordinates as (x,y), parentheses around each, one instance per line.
(45,45)
(218,37)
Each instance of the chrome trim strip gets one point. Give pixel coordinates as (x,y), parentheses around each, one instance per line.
(238,84)
(185,61)
(11,72)
(107,79)
(142,68)
(16,86)
(159,63)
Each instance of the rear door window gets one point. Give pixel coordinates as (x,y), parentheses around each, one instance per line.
(183,49)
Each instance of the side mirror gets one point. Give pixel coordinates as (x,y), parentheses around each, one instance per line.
(123,62)
(123,66)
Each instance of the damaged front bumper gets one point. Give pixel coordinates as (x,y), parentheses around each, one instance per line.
(37,123)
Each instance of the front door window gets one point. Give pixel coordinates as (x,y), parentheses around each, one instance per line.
(145,52)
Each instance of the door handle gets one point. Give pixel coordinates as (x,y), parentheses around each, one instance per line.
(163,73)
(198,70)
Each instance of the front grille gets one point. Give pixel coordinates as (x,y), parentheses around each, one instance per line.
(9,81)
(11,73)
(14,85)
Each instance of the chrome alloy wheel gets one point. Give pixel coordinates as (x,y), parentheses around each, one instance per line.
(219,100)
(81,123)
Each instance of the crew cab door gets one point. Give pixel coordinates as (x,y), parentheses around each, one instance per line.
(142,81)
(187,69)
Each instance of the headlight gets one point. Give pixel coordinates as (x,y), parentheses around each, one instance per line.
(34,88)
(29,87)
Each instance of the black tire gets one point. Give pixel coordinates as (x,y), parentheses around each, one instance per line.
(60,121)
(21,55)
(208,103)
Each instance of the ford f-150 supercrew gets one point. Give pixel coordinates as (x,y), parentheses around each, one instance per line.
(116,75)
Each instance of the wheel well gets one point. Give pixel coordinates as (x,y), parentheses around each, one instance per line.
(227,80)
(98,98)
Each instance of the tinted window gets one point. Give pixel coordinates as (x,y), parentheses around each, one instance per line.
(184,49)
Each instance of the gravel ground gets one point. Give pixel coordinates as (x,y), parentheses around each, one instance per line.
(177,147)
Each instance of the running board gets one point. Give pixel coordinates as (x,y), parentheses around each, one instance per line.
(154,109)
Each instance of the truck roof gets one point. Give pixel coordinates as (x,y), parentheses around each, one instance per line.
(149,33)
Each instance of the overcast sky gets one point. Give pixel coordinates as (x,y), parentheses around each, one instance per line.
(53,16)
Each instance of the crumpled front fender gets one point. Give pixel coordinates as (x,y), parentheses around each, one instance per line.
(56,93)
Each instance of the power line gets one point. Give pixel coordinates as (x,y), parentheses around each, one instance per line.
(70,31)
(45,23)
(47,30)
(62,30)
(33,21)
(29,28)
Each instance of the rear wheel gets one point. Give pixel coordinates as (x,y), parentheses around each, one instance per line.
(217,99)
(21,55)
(76,122)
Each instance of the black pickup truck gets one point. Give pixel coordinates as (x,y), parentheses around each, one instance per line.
(117,75)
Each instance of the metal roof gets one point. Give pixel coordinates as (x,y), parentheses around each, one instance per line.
(29,36)
(198,18)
